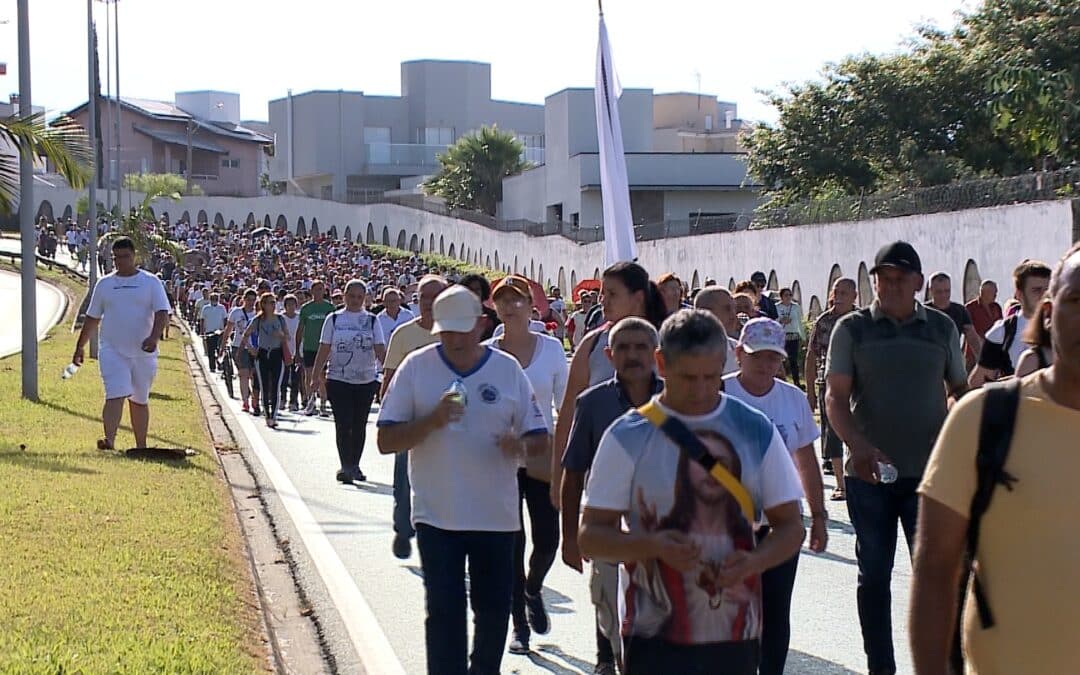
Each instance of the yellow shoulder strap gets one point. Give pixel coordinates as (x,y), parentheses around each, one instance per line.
(659,419)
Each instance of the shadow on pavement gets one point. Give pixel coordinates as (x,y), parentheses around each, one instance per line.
(577,665)
(554,598)
(807,664)
(830,556)
(375,487)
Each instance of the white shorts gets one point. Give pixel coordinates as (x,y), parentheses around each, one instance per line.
(126,376)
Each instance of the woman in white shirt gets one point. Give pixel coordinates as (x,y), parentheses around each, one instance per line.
(790,316)
(353,346)
(544,361)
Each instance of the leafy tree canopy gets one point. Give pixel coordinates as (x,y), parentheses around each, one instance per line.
(473,168)
(998,95)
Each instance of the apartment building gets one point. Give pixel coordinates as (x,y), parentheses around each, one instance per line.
(354,146)
(683,162)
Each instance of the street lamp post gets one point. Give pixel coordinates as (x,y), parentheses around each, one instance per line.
(92,188)
(26,218)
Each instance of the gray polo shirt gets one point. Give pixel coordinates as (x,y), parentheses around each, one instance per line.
(899,373)
(597,407)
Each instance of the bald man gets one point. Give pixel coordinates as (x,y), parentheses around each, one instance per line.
(719,302)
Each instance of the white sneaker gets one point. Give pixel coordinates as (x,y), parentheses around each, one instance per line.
(309,409)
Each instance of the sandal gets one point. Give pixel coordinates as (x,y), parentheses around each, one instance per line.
(838,495)
(103,444)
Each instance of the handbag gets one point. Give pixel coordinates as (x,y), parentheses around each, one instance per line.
(647,576)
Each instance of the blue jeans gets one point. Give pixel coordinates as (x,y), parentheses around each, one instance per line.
(874,511)
(443,554)
(402,496)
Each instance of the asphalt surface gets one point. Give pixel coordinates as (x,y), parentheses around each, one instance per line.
(356,521)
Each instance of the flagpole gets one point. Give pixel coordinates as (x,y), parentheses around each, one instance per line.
(618,219)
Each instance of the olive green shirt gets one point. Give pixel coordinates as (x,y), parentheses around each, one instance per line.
(899,374)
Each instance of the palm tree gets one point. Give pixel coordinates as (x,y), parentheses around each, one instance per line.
(139,225)
(474,167)
(63,143)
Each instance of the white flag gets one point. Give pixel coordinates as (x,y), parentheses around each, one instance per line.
(614,186)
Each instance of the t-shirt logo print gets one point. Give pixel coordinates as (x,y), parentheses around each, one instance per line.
(489,394)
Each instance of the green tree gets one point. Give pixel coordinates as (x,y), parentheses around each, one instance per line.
(162,184)
(139,224)
(995,96)
(473,168)
(63,143)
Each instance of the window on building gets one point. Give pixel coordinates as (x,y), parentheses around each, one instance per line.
(437,136)
(531,140)
(225,163)
(235,163)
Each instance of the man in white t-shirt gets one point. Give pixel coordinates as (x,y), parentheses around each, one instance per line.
(130,308)
(689,508)
(464,450)
(212,318)
(761,352)
(393,314)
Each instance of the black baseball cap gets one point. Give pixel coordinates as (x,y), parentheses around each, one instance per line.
(758,275)
(898,254)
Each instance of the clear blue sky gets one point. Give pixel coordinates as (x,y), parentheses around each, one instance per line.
(262,48)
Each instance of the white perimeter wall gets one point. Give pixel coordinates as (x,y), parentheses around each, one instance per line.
(996,239)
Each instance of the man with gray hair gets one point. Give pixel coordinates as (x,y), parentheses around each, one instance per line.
(691,472)
(393,314)
(722,305)
(631,349)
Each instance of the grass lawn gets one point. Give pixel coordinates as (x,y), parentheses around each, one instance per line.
(111,565)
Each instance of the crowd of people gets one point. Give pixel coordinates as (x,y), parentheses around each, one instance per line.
(666,436)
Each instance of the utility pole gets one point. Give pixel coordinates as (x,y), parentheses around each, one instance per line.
(119,106)
(190,133)
(107,169)
(94,141)
(26,218)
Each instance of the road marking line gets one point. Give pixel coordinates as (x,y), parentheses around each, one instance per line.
(367,635)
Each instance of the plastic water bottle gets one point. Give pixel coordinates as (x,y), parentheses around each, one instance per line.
(887,472)
(69,371)
(460,394)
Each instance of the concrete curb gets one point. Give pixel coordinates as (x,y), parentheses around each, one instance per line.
(302,627)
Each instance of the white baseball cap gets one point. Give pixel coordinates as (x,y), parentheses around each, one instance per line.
(456,311)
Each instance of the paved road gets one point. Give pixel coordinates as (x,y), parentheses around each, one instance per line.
(50,303)
(356,523)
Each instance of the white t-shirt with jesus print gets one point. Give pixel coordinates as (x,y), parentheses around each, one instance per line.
(639,472)
(461,479)
(352,337)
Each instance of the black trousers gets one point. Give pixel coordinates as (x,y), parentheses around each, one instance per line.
(352,404)
(290,384)
(544,520)
(211,343)
(777,585)
(791,346)
(268,370)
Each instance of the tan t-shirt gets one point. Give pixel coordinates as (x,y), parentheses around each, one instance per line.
(1029,556)
(407,339)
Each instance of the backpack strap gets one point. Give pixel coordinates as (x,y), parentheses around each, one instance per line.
(995,438)
(681,435)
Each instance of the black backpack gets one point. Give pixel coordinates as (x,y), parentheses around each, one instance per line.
(995,438)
